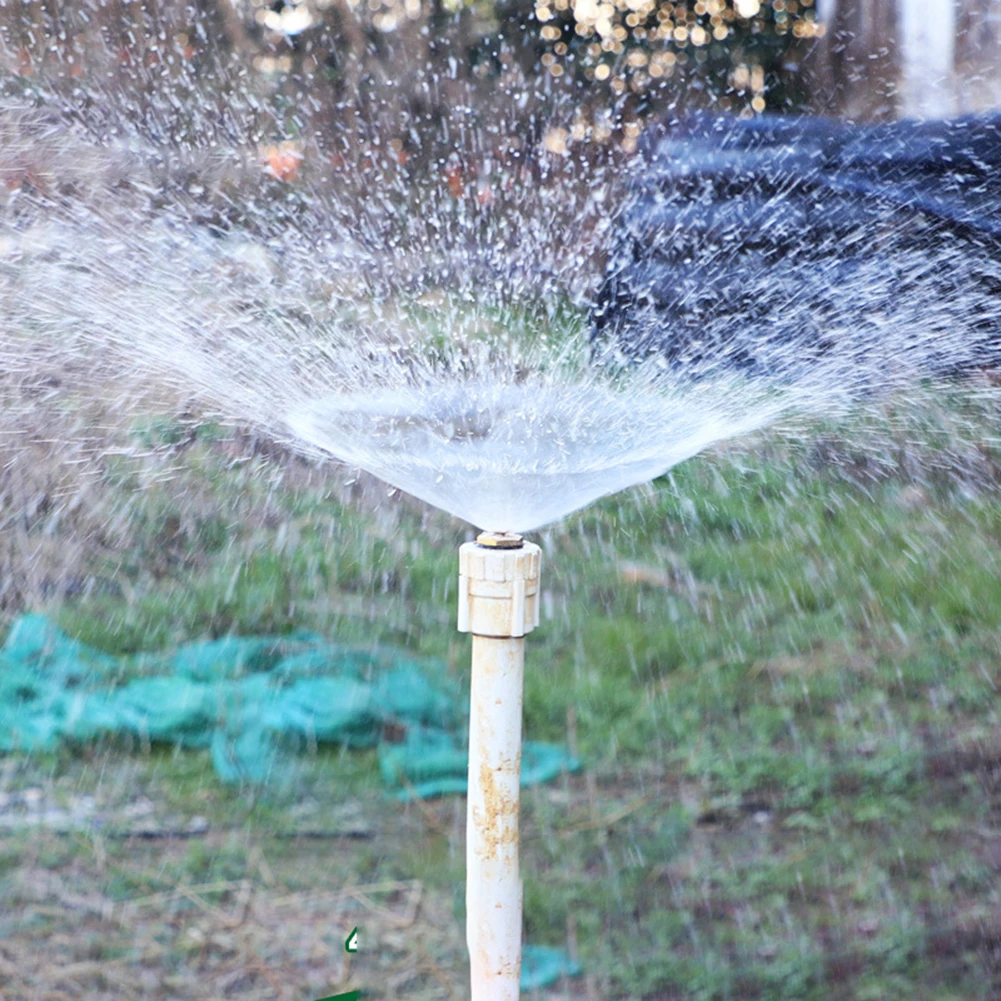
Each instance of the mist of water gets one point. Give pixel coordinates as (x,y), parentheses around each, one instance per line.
(429,328)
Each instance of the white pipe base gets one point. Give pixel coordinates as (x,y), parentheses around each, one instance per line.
(498,604)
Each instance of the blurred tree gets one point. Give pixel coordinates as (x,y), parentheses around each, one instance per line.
(978,54)
(381,75)
(736,55)
(884,59)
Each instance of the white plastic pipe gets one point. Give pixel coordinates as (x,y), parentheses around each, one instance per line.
(498,604)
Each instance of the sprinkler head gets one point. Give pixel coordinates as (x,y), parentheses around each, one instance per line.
(500,540)
(499,586)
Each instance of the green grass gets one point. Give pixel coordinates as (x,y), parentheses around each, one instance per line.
(779,663)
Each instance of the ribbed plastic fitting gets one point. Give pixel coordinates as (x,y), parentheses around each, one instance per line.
(498,586)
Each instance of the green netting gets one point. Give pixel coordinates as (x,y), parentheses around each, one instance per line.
(429,763)
(249,700)
(542,965)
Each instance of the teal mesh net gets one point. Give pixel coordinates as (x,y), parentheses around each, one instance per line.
(248,700)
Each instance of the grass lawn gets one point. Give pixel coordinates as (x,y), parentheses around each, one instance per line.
(780,665)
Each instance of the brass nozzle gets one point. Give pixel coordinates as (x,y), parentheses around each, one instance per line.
(500,540)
